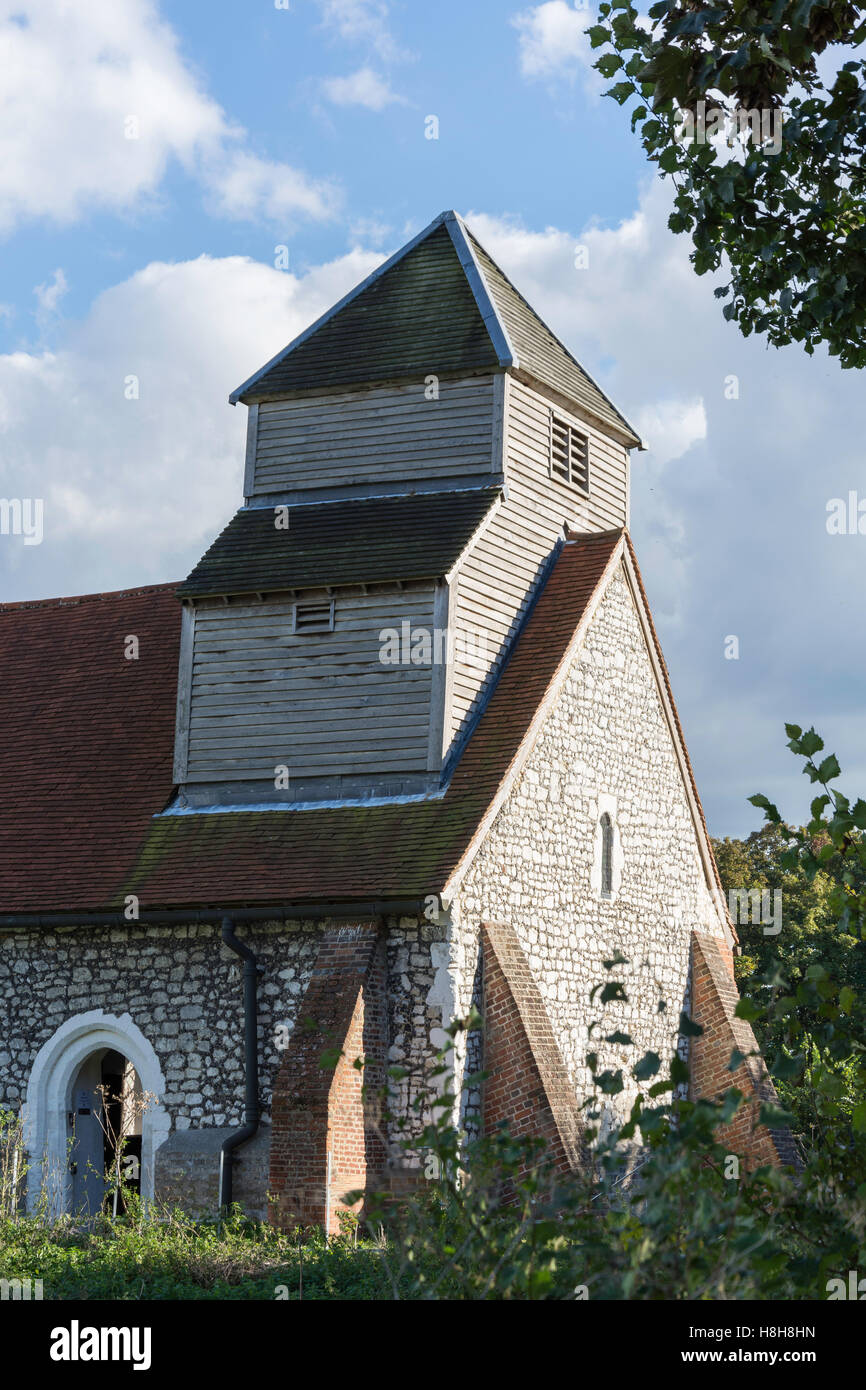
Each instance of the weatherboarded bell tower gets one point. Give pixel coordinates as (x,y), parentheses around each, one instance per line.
(412,458)
(422,753)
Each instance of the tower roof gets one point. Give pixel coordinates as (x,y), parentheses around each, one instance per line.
(420,536)
(440,304)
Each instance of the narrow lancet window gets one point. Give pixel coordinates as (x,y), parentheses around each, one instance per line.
(606,855)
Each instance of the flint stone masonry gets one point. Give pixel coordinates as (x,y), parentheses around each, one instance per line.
(606,737)
(182,988)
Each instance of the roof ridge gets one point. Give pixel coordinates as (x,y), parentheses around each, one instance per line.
(499,335)
(70,600)
(255,505)
(572,536)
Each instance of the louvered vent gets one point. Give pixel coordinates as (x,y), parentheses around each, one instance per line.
(569,453)
(313,617)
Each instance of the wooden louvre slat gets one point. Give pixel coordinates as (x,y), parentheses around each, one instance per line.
(569,453)
(314,617)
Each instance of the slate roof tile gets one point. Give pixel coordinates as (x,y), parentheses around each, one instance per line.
(357,542)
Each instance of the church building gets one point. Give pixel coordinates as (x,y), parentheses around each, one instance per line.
(403,742)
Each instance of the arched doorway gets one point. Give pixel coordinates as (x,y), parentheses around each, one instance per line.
(81,1096)
(104,1132)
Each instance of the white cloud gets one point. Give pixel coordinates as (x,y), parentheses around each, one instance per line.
(244,186)
(135,488)
(552,40)
(672,426)
(362,88)
(96,101)
(363,21)
(49,294)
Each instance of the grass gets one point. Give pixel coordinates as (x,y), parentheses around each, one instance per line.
(174,1257)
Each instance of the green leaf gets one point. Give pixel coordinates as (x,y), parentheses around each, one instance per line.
(646,1067)
(747,1008)
(621,92)
(688,1027)
(770,811)
(810,743)
(609,64)
(774,1116)
(829,769)
(679,1072)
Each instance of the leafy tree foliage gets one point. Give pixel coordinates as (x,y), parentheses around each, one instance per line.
(788,220)
(808,938)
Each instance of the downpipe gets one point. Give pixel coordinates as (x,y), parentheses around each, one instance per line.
(252,1110)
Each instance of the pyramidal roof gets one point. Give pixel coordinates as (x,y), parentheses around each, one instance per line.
(440,304)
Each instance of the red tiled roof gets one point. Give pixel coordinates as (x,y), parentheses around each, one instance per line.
(86,747)
(86,762)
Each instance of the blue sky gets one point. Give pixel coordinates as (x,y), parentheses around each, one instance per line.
(257,126)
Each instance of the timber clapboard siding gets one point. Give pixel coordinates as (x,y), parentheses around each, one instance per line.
(499,576)
(381,434)
(527,453)
(318,703)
